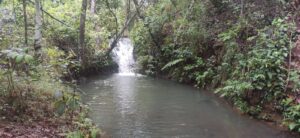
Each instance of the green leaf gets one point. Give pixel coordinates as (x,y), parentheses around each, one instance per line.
(251,38)
(73,103)
(28,58)
(19,58)
(60,107)
(293,125)
(76,134)
(94,133)
(223,95)
(270,75)
(172,63)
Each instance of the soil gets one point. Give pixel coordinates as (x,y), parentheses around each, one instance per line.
(36,129)
(35,120)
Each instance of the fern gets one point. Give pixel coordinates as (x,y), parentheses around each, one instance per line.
(172,63)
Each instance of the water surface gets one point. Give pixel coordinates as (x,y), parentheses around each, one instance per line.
(142,107)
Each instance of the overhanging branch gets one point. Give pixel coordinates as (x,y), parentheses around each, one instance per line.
(119,35)
(51,16)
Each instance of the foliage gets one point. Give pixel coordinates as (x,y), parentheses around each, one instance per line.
(66,103)
(179,37)
(25,79)
(242,49)
(172,63)
(64,65)
(292,115)
(236,90)
(261,67)
(85,129)
(16,63)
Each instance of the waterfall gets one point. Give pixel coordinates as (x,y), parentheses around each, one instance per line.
(123,55)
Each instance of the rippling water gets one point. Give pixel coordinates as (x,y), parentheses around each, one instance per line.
(129,106)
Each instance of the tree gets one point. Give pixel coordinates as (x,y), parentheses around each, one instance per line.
(93,7)
(128,9)
(242,8)
(38,29)
(25,23)
(81,33)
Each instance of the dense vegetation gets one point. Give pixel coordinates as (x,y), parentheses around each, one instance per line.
(247,51)
(45,47)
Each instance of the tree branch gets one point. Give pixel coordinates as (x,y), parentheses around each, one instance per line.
(51,16)
(115,41)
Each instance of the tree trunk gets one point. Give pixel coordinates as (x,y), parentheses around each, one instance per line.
(242,8)
(82,47)
(25,23)
(128,9)
(38,29)
(96,25)
(93,7)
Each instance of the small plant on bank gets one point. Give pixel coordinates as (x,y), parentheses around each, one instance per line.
(17,65)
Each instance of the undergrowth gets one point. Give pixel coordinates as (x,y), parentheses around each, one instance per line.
(246,58)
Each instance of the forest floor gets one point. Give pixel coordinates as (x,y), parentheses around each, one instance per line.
(41,129)
(36,120)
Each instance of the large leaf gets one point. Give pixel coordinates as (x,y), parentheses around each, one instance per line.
(172,63)
(60,107)
(292,126)
(28,58)
(19,58)
(73,103)
(94,133)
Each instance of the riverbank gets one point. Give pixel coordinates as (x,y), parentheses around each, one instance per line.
(37,119)
(43,108)
(40,117)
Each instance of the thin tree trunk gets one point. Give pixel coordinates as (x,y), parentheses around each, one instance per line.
(38,29)
(242,8)
(93,7)
(96,27)
(128,9)
(81,33)
(25,23)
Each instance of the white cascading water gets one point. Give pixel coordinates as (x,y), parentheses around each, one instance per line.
(123,55)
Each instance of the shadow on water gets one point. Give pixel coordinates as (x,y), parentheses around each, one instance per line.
(129,106)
